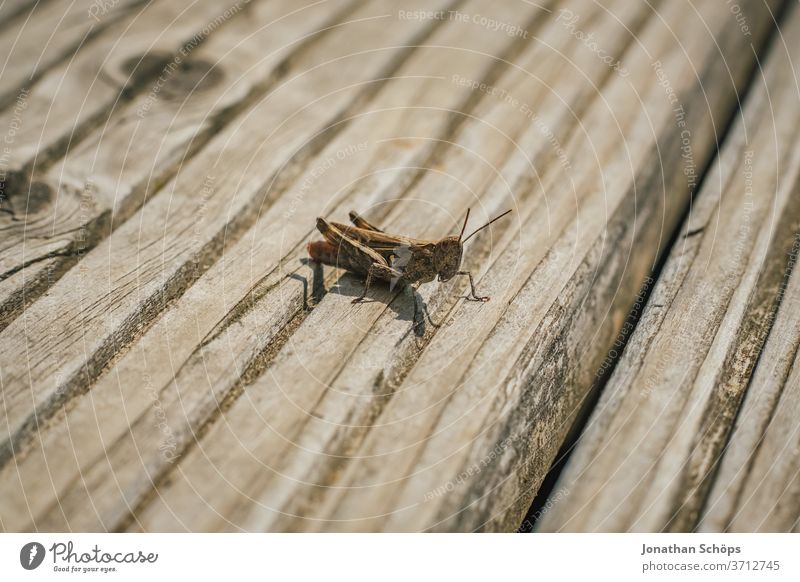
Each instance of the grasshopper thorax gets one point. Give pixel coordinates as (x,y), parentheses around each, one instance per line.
(447,257)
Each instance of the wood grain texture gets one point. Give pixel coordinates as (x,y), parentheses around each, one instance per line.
(549,335)
(173,361)
(200,336)
(362,382)
(237,474)
(48,104)
(756,485)
(291,127)
(226,63)
(648,456)
(63,211)
(36,36)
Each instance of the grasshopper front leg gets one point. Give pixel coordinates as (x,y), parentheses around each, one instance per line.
(475,296)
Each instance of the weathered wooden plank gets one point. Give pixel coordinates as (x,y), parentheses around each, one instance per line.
(489,425)
(376,439)
(754,489)
(223,354)
(65,210)
(548,338)
(491,131)
(35,38)
(325,87)
(73,97)
(208,475)
(646,460)
(361,387)
(756,486)
(103,180)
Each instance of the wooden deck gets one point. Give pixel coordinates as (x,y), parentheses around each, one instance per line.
(170,359)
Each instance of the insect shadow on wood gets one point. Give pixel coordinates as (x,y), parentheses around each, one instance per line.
(317,283)
(364,249)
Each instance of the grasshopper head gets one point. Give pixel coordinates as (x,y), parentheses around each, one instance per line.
(447,257)
(447,254)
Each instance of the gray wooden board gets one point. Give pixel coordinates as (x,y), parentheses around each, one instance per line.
(159,52)
(172,360)
(291,117)
(384,474)
(648,456)
(36,36)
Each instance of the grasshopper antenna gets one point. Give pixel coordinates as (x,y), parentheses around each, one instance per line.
(476,231)
(463,228)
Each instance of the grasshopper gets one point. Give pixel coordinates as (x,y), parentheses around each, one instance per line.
(367,250)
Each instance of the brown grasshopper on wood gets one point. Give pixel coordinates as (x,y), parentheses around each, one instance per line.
(365,249)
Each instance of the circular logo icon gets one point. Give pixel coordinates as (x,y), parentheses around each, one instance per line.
(31,555)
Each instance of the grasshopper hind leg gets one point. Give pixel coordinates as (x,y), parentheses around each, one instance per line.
(361,222)
(355,256)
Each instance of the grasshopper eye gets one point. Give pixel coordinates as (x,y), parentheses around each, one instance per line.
(449,269)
